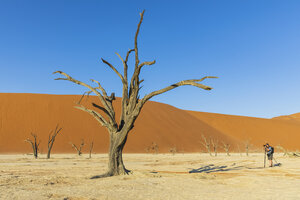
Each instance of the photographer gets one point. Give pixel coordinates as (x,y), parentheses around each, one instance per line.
(269,150)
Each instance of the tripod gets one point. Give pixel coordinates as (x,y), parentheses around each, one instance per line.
(265,158)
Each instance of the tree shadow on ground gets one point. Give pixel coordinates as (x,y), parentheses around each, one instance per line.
(213,168)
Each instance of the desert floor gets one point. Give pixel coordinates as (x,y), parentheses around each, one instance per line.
(161,176)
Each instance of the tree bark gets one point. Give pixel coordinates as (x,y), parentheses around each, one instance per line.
(115,159)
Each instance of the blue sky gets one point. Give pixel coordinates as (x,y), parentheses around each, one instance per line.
(253,46)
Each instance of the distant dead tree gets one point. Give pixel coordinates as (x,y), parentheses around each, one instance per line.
(239,149)
(91,149)
(153,148)
(284,151)
(226,147)
(247,147)
(215,144)
(288,153)
(78,149)
(51,139)
(207,144)
(131,104)
(34,144)
(173,150)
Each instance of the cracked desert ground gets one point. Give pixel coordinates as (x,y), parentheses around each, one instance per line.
(155,176)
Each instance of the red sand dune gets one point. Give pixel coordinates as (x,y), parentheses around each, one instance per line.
(163,124)
(255,130)
(293,117)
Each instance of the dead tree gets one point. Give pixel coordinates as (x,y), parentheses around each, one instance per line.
(238,146)
(247,147)
(153,148)
(207,144)
(51,139)
(215,144)
(91,149)
(131,104)
(34,145)
(226,147)
(78,149)
(173,150)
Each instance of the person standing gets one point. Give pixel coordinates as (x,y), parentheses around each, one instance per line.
(270,150)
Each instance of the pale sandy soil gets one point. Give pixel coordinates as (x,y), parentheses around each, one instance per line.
(161,176)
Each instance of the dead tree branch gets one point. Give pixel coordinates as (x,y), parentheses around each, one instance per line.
(226,147)
(207,144)
(78,149)
(51,139)
(215,144)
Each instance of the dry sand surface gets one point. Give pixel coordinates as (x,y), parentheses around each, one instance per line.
(161,176)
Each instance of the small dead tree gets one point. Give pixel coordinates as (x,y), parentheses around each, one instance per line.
(153,148)
(239,149)
(78,149)
(173,150)
(51,139)
(131,104)
(215,144)
(226,147)
(91,149)
(247,147)
(207,144)
(34,145)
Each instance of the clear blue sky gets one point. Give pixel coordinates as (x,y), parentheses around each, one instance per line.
(253,46)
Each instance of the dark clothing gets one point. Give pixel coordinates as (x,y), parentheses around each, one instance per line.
(270,156)
(270,152)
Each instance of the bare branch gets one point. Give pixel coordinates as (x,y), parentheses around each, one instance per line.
(206,143)
(51,139)
(226,147)
(128,53)
(88,93)
(135,40)
(113,68)
(100,88)
(147,63)
(192,82)
(104,102)
(78,149)
(125,65)
(96,115)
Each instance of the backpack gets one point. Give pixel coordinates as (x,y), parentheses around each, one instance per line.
(272,150)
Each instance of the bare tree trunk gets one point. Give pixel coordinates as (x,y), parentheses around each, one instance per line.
(238,146)
(34,145)
(247,146)
(226,148)
(91,149)
(115,159)
(206,143)
(51,140)
(215,146)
